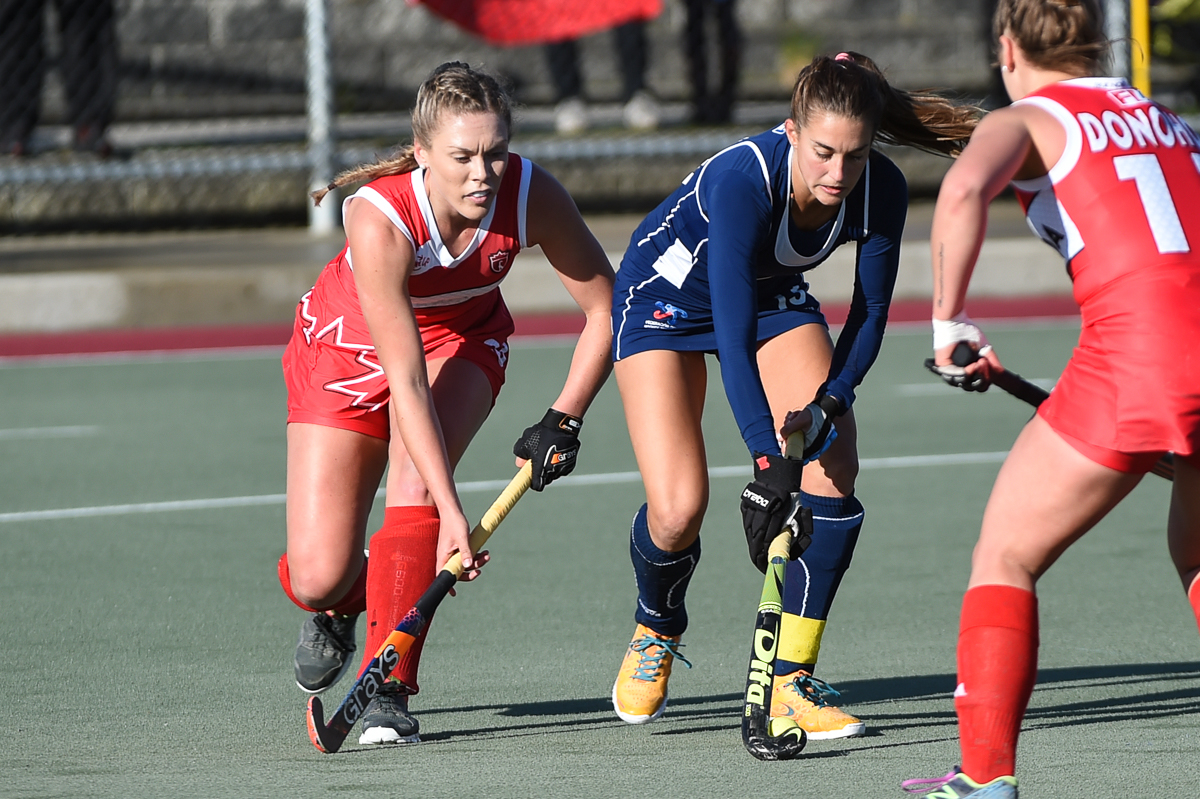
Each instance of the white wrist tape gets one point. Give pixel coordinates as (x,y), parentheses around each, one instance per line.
(952,331)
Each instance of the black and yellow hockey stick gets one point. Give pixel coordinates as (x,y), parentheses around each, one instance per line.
(764,737)
(329,736)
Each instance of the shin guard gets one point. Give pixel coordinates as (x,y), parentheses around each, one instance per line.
(811,583)
(662,579)
(997,667)
(403,563)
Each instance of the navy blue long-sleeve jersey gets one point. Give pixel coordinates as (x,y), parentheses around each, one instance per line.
(719,265)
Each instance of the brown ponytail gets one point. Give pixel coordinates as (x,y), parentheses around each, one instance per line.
(1061,35)
(453,88)
(851,85)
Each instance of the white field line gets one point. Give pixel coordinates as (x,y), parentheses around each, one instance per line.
(27,433)
(609,478)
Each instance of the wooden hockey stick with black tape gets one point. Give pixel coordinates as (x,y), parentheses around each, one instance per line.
(328,736)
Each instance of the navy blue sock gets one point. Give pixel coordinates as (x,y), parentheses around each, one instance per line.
(662,579)
(811,582)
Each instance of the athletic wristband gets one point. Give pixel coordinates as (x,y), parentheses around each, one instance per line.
(959,328)
(563,421)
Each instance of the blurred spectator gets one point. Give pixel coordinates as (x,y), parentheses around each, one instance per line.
(641,110)
(87,64)
(712,106)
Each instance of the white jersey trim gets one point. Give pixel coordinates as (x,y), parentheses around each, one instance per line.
(677,262)
(785,253)
(453,297)
(1074,144)
(440,251)
(523,201)
(762,163)
(625,311)
(376,199)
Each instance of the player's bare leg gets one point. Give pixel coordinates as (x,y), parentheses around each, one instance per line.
(668,442)
(793,366)
(663,394)
(1183,530)
(332,477)
(405,555)
(1046,496)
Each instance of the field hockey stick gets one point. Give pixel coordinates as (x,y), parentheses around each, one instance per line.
(1012,383)
(758,727)
(329,736)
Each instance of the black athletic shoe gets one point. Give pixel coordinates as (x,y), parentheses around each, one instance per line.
(325,651)
(387,720)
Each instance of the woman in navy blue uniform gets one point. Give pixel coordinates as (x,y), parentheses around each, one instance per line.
(719,268)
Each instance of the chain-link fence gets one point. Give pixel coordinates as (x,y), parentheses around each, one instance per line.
(120,113)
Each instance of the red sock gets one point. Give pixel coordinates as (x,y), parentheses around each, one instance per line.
(1194,598)
(997,666)
(355,600)
(402,565)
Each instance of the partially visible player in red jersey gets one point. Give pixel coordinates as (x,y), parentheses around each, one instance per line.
(1112,181)
(396,359)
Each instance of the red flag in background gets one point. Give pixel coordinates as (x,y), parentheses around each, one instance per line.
(514,22)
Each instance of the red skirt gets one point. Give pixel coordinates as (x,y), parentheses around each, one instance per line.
(1131,390)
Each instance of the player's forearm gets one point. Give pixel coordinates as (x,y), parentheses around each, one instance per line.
(591,364)
(959,224)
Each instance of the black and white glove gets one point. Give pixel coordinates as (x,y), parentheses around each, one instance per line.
(956,375)
(552,445)
(769,503)
(970,343)
(821,433)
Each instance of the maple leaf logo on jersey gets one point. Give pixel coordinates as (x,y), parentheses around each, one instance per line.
(499,260)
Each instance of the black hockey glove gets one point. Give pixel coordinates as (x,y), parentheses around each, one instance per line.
(552,445)
(768,505)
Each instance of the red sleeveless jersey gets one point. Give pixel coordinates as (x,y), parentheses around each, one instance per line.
(442,287)
(1122,206)
(1121,196)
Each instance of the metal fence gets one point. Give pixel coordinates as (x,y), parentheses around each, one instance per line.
(114,108)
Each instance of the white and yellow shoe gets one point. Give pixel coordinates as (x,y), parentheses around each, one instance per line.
(805,699)
(640,693)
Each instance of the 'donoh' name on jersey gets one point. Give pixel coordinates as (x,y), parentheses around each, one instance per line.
(1125,185)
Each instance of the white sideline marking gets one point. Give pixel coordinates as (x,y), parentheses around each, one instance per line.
(608,478)
(24,433)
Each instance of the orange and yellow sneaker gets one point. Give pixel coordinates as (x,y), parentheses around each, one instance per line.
(640,692)
(805,699)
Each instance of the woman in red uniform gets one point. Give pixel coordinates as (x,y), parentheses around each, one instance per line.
(1112,181)
(396,359)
